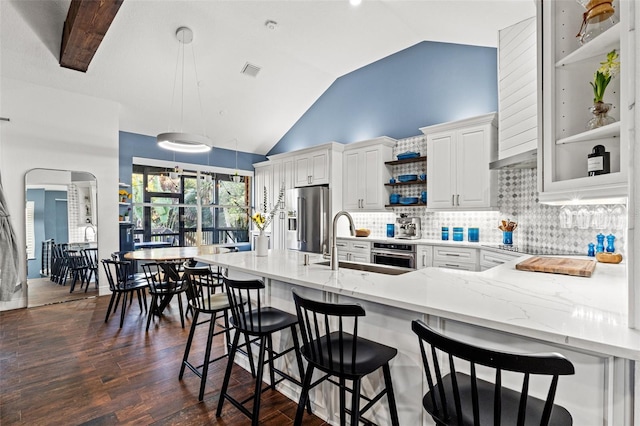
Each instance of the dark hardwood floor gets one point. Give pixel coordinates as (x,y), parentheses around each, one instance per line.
(62,364)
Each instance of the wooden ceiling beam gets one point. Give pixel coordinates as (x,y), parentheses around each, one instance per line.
(86,25)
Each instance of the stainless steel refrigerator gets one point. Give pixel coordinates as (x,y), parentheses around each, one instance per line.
(308,219)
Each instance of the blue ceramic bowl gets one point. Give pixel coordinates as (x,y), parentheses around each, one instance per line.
(407,178)
(408,200)
(394,198)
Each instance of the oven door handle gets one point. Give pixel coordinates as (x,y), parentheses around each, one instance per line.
(395,255)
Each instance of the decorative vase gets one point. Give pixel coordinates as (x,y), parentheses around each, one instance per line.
(262,247)
(600,118)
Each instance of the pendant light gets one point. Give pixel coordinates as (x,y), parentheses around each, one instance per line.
(236,177)
(182,141)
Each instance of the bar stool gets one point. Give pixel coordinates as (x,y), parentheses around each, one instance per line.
(205,297)
(341,354)
(457,398)
(257,323)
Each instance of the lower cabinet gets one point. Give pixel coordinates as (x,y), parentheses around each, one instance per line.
(424,255)
(463,258)
(354,251)
(489,258)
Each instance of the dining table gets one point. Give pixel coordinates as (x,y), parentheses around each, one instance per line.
(173,254)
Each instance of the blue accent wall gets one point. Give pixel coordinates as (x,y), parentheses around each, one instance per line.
(136,145)
(425,84)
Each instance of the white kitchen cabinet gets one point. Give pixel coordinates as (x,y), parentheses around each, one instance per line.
(463,258)
(364,174)
(312,168)
(567,68)
(458,157)
(490,258)
(273,175)
(354,251)
(517,89)
(424,256)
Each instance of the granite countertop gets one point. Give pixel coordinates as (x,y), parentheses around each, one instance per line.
(583,313)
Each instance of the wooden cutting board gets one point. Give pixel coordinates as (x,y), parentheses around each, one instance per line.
(558,265)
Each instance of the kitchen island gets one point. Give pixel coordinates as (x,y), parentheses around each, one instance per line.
(583,318)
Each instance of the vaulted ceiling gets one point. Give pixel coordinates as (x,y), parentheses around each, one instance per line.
(313,43)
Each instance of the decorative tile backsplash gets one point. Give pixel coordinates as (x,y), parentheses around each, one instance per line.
(539,225)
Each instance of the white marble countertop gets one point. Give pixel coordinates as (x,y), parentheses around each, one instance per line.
(578,312)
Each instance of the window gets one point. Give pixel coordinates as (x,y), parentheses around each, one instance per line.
(165,208)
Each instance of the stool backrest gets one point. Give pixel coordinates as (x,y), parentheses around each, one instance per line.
(326,341)
(202,285)
(117,272)
(439,345)
(246,303)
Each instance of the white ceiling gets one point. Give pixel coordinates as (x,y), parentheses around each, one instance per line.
(315,43)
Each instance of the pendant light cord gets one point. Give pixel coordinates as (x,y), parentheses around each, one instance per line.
(195,70)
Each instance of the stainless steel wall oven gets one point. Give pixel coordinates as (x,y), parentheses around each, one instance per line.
(392,254)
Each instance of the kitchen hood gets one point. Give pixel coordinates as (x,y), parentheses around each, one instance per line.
(524,160)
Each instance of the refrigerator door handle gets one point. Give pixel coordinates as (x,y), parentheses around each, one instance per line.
(300,220)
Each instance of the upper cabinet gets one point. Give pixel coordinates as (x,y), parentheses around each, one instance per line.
(312,168)
(458,157)
(517,89)
(567,68)
(364,174)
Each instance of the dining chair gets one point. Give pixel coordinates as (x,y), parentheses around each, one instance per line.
(118,273)
(90,256)
(165,283)
(334,348)
(457,398)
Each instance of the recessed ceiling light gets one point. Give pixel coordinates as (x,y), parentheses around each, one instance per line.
(271,25)
(355,2)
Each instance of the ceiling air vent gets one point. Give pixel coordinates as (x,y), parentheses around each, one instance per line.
(250,70)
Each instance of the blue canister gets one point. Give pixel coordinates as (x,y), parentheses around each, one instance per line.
(394,198)
(458,234)
(391,230)
(445,233)
(473,235)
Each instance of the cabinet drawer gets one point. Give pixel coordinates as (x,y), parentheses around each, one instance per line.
(455,255)
(491,258)
(454,264)
(359,247)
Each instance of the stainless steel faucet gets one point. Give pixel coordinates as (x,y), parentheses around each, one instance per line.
(333,262)
(86,239)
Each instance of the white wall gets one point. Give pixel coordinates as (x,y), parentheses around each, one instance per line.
(56,129)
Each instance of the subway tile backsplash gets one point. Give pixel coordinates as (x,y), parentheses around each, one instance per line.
(538,224)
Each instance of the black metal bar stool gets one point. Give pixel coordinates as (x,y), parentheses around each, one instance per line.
(461,399)
(257,323)
(205,296)
(341,354)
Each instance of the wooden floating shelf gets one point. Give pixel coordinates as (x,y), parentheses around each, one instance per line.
(413,182)
(407,161)
(419,204)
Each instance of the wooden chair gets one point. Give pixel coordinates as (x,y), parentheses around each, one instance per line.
(258,322)
(90,256)
(460,399)
(118,273)
(164,283)
(342,354)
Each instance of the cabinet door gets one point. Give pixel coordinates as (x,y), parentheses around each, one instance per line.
(301,165)
(360,257)
(319,167)
(472,171)
(441,170)
(425,257)
(373,192)
(352,181)
(262,180)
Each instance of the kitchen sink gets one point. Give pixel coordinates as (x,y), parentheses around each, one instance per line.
(369,267)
